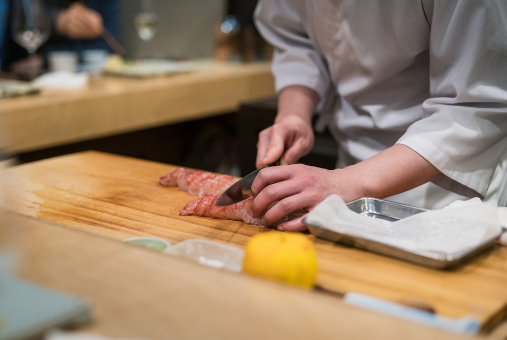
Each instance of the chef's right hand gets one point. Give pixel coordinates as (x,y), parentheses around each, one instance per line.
(291,135)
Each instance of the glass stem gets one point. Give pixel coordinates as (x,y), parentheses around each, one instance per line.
(32,60)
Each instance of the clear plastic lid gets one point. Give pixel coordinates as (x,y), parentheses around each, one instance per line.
(210,253)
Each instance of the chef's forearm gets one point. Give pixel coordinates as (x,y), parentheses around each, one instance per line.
(297,100)
(393,171)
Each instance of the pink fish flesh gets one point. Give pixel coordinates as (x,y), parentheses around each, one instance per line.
(198,183)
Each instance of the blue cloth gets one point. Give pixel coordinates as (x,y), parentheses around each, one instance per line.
(4,11)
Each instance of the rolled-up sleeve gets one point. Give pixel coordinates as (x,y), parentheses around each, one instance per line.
(464,129)
(295,60)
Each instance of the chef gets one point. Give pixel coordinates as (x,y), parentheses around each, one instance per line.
(414,91)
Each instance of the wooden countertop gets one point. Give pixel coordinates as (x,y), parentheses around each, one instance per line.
(119,197)
(113,105)
(142,294)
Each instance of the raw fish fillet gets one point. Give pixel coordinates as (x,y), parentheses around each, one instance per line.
(241,211)
(197,182)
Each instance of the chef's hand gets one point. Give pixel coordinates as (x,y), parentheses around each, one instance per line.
(291,135)
(79,22)
(294,187)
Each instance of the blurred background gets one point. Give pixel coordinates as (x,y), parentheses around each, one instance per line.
(48,47)
(187,28)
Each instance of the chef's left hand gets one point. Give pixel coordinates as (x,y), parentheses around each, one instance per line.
(296,187)
(390,172)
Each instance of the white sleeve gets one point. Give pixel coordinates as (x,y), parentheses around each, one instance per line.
(464,129)
(295,61)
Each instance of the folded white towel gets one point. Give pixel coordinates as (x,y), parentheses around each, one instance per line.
(444,231)
(502,216)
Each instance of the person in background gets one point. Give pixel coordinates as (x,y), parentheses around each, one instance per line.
(415,92)
(76,26)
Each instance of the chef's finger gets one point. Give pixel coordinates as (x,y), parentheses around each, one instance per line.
(268,176)
(298,149)
(262,145)
(283,208)
(276,146)
(272,193)
(273,154)
(294,225)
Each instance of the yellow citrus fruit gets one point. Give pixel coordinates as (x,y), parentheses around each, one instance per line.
(287,257)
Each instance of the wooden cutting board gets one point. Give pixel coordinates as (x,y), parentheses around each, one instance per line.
(119,197)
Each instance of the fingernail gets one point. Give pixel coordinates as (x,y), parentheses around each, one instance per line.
(280,227)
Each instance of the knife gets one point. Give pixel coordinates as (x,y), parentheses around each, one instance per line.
(240,190)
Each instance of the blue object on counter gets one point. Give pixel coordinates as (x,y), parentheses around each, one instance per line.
(467,325)
(28,310)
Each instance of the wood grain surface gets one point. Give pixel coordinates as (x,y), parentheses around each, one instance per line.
(136,293)
(119,197)
(113,105)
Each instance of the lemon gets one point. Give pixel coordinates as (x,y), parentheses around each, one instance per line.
(282,256)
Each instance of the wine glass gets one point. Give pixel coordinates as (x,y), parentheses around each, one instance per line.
(146,21)
(30,27)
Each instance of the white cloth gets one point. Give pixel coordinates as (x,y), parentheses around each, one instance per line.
(61,80)
(431,75)
(454,230)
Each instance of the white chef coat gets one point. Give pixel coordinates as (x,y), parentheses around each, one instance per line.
(431,75)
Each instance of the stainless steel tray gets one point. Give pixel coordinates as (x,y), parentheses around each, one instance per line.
(391,211)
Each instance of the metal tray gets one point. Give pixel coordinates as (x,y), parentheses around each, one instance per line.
(391,211)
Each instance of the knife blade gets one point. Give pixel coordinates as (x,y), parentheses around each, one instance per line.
(240,190)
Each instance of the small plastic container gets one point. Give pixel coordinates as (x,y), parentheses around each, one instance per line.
(94,61)
(63,61)
(153,243)
(209,253)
